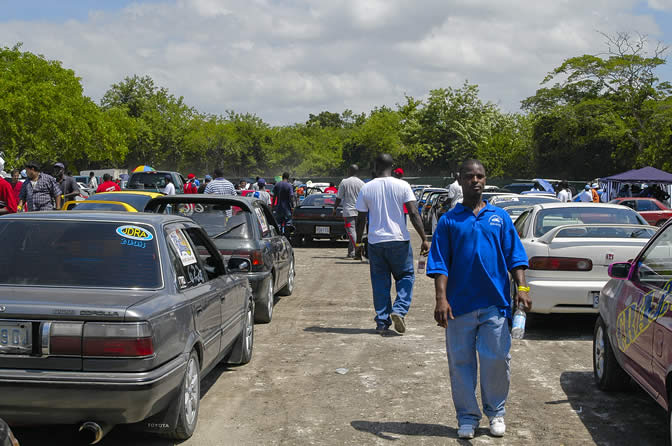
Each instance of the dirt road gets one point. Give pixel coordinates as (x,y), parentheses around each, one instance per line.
(393,390)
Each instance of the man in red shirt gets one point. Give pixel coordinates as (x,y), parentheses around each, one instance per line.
(108,185)
(331,189)
(15,183)
(190,187)
(7,198)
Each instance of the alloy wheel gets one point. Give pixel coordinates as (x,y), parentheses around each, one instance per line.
(599,353)
(191,391)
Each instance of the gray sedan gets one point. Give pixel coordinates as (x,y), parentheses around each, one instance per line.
(112,318)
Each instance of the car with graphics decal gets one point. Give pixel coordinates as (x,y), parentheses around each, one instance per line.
(570,246)
(633,332)
(246,234)
(126,200)
(113,318)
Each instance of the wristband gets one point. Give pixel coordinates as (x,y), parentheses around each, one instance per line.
(524,288)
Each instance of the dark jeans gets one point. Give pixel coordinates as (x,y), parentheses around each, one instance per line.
(283,217)
(387,260)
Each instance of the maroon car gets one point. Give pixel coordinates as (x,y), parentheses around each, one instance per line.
(633,333)
(654,212)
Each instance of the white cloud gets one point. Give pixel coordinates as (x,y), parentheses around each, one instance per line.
(284,59)
(661,5)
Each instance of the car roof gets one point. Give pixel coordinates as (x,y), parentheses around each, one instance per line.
(577,204)
(635,198)
(132,192)
(117,216)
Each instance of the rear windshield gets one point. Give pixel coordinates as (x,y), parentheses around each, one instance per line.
(320,200)
(138,201)
(505,202)
(548,219)
(78,254)
(87,206)
(220,221)
(147,180)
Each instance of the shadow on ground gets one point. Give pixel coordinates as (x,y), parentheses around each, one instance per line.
(395,430)
(550,327)
(340,330)
(630,417)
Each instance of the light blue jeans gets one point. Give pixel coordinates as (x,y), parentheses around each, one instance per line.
(387,260)
(486,332)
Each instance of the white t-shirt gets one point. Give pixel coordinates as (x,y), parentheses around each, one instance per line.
(586,196)
(348,191)
(384,198)
(564,195)
(169,189)
(455,194)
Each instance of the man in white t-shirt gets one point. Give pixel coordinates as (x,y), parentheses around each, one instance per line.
(169,189)
(586,196)
(347,194)
(382,200)
(455,193)
(564,195)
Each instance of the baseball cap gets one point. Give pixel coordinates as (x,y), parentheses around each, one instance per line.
(59,165)
(191,176)
(24,174)
(399,171)
(208,177)
(595,186)
(261,181)
(587,187)
(32,165)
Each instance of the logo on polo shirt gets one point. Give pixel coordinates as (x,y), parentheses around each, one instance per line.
(495,220)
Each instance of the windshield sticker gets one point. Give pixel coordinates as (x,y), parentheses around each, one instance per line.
(262,220)
(134,233)
(182,247)
(133,243)
(638,316)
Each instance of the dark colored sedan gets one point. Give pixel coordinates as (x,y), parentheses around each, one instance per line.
(314,219)
(633,333)
(114,318)
(248,237)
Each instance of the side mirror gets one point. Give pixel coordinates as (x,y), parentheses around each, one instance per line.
(238,265)
(619,270)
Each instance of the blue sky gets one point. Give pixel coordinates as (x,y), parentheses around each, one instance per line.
(285,59)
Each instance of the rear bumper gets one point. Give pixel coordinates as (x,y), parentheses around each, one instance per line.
(258,283)
(49,397)
(559,296)
(308,228)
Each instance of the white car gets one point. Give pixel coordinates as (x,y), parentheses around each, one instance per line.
(515,204)
(570,247)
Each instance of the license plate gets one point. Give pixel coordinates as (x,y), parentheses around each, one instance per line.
(15,337)
(595,295)
(322,230)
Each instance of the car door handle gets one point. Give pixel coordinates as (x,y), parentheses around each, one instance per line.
(199,309)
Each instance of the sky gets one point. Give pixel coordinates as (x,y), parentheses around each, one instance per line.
(285,59)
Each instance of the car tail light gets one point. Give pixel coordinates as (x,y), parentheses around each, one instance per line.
(255,256)
(63,338)
(117,339)
(561,263)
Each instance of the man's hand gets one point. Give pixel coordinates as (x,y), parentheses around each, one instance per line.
(424,248)
(523,297)
(442,312)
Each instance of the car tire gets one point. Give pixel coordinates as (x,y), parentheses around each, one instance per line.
(608,373)
(288,289)
(190,400)
(244,346)
(263,313)
(669,418)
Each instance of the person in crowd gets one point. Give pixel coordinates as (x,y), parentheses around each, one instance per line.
(220,185)
(68,184)
(565,193)
(190,186)
(261,193)
(169,188)
(284,201)
(659,194)
(206,181)
(455,193)
(108,185)
(399,173)
(255,185)
(41,192)
(8,199)
(16,183)
(593,191)
(348,190)
(389,247)
(331,189)
(92,184)
(537,187)
(586,196)
(624,191)
(474,249)
(243,185)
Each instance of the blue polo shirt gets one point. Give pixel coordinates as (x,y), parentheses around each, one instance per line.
(476,252)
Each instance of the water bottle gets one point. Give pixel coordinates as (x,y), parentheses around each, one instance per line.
(518,328)
(422,262)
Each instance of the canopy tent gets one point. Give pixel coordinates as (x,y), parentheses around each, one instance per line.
(649,175)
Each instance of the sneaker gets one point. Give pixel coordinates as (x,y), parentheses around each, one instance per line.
(383,330)
(399,323)
(466,431)
(497,427)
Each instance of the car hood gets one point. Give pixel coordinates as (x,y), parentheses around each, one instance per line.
(68,303)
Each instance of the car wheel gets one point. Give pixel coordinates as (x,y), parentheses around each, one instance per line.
(242,351)
(263,313)
(289,288)
(609,375)
(190,399)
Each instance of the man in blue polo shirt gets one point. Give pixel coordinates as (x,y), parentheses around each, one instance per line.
(474,248)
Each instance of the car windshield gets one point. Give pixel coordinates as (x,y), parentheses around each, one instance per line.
(138,201)
(79,254)
(147,180)
(523,200)
(321,200)
(548,219)
(219,221)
